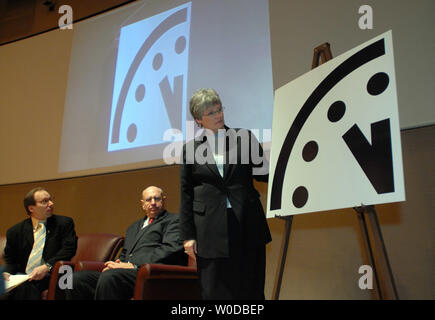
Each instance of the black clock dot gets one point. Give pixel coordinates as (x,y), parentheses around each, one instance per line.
(140,92)
(378,83)
(310,151)
(131,132)
(180,44)
(336,111)
(300,197)
(157,61)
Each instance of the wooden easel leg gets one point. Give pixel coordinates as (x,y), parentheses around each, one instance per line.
(376,253)
(386,280)
(283,255)
(368,249)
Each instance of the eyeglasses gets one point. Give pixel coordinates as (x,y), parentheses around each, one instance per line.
(45,202)
(213,113)
(156,199)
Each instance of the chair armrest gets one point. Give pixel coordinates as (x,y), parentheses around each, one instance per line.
(89,265)
(156,271)
(160,281)
(54,292)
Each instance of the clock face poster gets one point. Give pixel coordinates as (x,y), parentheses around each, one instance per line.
(336,135)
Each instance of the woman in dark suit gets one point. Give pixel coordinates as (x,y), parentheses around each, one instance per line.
(222,221)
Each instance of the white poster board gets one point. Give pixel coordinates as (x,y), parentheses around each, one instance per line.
(336,135)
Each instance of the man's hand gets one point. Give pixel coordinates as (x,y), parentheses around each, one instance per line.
(117,265)
(6,276)
(38,273)
(190,248)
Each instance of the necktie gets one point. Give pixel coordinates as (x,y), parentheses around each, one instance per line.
(38,246)
(145,224)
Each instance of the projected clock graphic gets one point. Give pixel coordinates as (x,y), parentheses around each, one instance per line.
(149,94)
(343,146)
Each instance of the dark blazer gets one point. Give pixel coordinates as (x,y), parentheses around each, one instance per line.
(60,243)
(204,194)
(159,242)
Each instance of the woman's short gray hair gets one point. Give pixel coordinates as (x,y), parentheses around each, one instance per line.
(201,100)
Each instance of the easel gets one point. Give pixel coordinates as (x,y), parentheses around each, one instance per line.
(373,242)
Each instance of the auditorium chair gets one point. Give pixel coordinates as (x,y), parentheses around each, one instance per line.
(92,246)
(159,281)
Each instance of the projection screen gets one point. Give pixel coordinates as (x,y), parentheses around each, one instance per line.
(133,71)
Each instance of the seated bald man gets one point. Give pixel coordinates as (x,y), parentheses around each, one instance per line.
(152,239)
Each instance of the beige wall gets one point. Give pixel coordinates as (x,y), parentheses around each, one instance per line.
(32,96)
(325,248)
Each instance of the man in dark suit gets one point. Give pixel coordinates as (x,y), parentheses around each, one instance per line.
(153,239)
(34,245)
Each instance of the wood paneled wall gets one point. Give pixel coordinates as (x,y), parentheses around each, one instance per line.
(20,19)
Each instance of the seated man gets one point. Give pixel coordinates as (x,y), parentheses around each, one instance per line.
(34,245)
(153,239)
